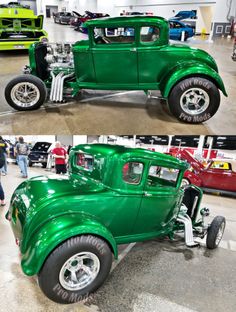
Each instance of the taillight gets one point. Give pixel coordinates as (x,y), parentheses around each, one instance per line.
(17,242)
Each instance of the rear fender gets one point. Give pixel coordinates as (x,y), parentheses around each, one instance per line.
(183,72)
(55,232)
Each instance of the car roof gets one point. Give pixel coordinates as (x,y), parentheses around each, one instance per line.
(123,20)
(112,150)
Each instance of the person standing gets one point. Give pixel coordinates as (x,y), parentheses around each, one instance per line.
(2,161)
(60,155)
(4,148)
(22,151)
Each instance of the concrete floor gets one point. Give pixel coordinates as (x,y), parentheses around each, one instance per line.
(102,112)
(154,276)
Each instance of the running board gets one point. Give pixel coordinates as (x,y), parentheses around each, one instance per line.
(188,233)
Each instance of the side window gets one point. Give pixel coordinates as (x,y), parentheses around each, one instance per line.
(162,176)
(114,35)
(149,34)
(132,172)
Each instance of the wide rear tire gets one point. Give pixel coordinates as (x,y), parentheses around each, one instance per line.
(194,100)
(75,269)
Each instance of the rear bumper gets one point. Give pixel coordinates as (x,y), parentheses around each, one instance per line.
(19,45)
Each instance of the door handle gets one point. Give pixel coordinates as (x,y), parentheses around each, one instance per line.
(133,49)
(147,194)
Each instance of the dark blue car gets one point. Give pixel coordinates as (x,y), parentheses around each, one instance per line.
(176,29)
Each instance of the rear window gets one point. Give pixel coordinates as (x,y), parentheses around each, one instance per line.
(149,34)
(114,35)
(85,161)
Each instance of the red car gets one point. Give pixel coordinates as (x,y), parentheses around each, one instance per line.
(221,178)
(81,19)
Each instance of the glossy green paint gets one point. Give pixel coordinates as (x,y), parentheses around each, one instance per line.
(139,65)
(20,21)
(46,211)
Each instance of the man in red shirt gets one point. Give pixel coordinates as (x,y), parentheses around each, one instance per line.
(60,155)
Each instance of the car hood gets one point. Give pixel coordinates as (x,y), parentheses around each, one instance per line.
(41,147)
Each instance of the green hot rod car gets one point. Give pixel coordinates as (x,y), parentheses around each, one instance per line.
(69,227)
(19,27)
(122,53)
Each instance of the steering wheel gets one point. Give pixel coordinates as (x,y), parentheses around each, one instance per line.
(101,39)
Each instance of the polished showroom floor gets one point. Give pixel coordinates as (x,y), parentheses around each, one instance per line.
(119,112)
(154,276)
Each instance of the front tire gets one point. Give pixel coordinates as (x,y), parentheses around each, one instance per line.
(215,232)
(194,100)
(75,269)
(25,92)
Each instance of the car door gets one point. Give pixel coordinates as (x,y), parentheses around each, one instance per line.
(212,178)
(115,56)
(123,207)
(160,201)
(222,178)
(150,61)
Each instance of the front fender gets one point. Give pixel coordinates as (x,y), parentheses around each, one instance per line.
(190,70)
(55,232)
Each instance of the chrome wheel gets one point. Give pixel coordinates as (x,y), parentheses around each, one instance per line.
(79,271)
(194,101)
(220,233)
(25,94)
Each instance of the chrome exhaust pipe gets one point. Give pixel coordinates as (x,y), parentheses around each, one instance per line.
(62,85)
(188,230)
(55,89)
(52,86)
(59,77)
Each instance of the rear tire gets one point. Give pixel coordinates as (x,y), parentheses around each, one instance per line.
(25,92)
(75,269)
(215,232)
(194,100)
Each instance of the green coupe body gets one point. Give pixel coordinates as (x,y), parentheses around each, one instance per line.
(129,53)
(112,195)
(19,28)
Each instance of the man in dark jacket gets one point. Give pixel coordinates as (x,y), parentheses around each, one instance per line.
(4,148)
(2,162)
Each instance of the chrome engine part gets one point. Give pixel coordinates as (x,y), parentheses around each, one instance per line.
(61,66)
(59,55)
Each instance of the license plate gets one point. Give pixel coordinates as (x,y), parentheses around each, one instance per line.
(19,46)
